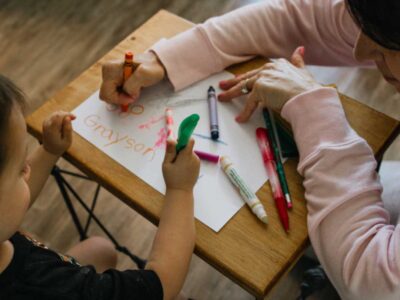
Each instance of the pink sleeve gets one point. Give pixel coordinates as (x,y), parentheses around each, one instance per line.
(272,28)
(348,226)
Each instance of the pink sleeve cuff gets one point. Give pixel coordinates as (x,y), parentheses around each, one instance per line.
(317,120)
(195,59)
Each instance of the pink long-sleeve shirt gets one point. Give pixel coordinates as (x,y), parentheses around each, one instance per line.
(348,226)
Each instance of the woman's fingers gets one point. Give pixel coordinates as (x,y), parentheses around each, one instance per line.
(236,91)
(297,58)
(251,105)
(109,92)
(227,84)
(135,82)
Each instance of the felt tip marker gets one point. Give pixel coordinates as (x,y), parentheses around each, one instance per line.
(269,162)
(207,156)
(247,194)
(269,124)
(212,107)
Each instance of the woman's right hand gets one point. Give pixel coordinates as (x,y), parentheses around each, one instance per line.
(149,72)
(180,172)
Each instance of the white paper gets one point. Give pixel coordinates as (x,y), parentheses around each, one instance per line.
(136,140)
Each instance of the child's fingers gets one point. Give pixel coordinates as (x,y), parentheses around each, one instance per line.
(57,118)
(170,152)
(63,114)
(67,129)
(189,147)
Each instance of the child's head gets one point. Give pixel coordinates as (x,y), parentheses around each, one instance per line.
(14,169)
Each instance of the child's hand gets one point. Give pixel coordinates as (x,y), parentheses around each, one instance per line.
(182,173)
(57,132)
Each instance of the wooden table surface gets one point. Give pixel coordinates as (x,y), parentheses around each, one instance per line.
(251,254)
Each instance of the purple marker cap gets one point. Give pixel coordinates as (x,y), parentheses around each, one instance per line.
(207,156)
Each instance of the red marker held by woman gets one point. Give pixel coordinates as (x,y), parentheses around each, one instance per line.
(269,162)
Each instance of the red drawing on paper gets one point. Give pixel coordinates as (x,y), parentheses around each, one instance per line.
(151,122)
(162,138)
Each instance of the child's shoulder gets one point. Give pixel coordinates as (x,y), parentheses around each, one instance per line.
(36,271)
(30,265)
(6,254)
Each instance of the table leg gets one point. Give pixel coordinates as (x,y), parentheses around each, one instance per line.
(65,187)
(58,177)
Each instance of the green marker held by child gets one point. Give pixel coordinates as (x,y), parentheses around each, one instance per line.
(185,131)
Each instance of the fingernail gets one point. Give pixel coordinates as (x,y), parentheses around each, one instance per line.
(237,119)
(220,96)
(302,50)
(222,84)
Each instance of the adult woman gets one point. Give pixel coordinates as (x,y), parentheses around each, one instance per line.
(348,226)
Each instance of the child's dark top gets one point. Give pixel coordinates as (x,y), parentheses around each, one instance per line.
(36,272)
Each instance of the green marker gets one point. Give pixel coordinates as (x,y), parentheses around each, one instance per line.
(185,131)
(279,165)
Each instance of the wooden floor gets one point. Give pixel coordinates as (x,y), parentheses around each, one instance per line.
(46,44)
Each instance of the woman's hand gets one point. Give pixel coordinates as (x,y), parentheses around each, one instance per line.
(57,132)
(271,85)
(180,172)
(149,72)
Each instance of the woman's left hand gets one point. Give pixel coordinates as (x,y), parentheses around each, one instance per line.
(270,86)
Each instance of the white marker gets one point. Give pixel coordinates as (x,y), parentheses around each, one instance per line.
(248,196)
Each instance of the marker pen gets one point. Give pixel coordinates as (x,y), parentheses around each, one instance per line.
(269,162)
(212,107)
(248,196)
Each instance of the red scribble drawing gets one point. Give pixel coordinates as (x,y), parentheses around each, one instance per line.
(151,122)
(162,138)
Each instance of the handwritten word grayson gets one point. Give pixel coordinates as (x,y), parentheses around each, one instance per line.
(114,137)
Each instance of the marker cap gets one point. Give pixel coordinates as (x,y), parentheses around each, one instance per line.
(129,55)
(260,213)
(225,162)
(214,135)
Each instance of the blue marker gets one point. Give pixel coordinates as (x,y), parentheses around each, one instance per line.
(212,107)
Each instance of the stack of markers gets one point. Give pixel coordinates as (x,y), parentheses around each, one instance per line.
(268,143)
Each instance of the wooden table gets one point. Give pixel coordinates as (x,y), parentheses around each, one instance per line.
(253,256)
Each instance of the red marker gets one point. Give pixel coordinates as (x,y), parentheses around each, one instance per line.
(269,162)
(128,70)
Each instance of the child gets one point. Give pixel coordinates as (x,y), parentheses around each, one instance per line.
(28,270)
